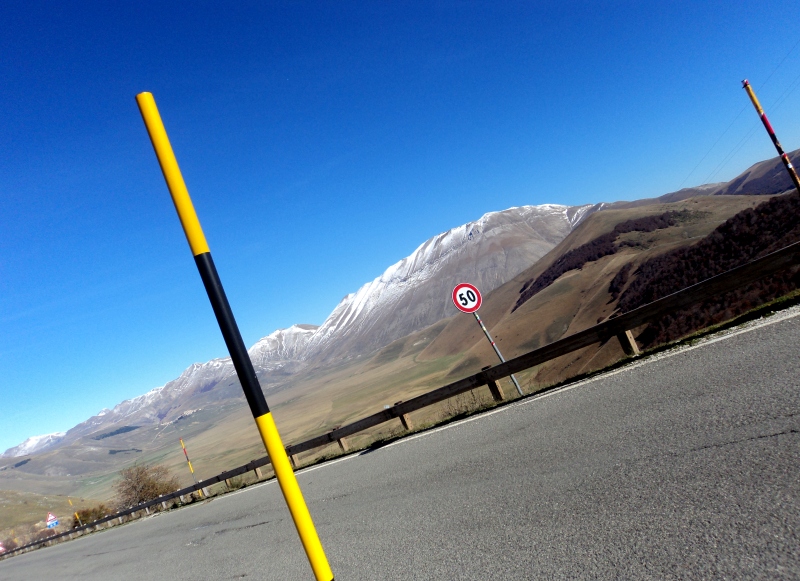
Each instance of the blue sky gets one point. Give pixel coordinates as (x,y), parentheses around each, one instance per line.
(322,142)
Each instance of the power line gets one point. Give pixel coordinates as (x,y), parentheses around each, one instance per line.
(712,147)
(774,107)
(738,147)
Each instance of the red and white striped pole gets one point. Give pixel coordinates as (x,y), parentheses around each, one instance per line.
(784,158)
(496,350)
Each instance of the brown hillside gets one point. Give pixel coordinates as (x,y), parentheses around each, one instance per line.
(749,234)
(578,298)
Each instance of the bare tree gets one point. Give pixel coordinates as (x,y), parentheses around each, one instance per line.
(140,483)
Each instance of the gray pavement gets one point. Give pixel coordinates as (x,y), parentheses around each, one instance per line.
(684,466)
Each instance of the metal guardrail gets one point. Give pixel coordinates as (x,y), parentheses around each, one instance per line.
(615,327)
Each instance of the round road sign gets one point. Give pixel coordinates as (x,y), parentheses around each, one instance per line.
(466,298)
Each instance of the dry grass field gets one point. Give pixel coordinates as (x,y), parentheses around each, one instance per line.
(24,513)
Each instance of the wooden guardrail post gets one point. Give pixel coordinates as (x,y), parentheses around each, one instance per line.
(257,472)
(494,389)
(405,419)
(628,343)
(345,447)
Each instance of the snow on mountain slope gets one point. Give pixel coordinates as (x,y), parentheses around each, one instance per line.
(161,402)
(269,354)
(33,444)
(281,345)
(414,292)
(410,295)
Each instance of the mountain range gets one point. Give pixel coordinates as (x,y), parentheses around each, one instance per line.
(403,311)
(407,297)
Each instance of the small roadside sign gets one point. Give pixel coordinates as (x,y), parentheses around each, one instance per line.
(52,520)
(467,298)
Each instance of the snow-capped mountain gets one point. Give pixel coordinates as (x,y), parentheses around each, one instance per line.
(201,382)
(408,296)
(281,346)
(33,444)
(414,292)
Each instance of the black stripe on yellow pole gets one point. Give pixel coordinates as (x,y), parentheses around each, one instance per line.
(768,126)
(233,339)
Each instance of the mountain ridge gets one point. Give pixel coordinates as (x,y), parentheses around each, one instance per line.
(499,245)
(478,244)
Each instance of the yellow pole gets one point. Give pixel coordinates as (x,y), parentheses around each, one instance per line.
(233,339)
(185,453)
(76,512)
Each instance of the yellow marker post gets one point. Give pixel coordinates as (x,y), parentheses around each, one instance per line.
(77,518)
(189,462)
(233,338)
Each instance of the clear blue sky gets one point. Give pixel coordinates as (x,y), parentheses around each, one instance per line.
(322,142)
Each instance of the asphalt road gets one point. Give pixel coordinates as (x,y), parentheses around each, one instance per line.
(682,466)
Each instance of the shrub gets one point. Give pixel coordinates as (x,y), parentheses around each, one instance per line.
(9,544)
(140,483)
(92,514)
(44,534)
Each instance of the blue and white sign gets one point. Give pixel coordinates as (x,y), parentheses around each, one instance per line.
(52,520)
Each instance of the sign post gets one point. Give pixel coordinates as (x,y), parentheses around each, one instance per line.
(467,299)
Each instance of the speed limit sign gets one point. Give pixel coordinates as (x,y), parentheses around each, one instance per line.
(466,297)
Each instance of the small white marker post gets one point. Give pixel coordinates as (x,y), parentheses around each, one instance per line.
(467,299)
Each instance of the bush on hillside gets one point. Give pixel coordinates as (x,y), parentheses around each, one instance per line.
(44,534)
(9,544)
(596,249)
(92,514)
(140,483)
(750,234)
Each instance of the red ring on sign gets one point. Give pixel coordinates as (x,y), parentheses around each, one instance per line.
(471,305)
